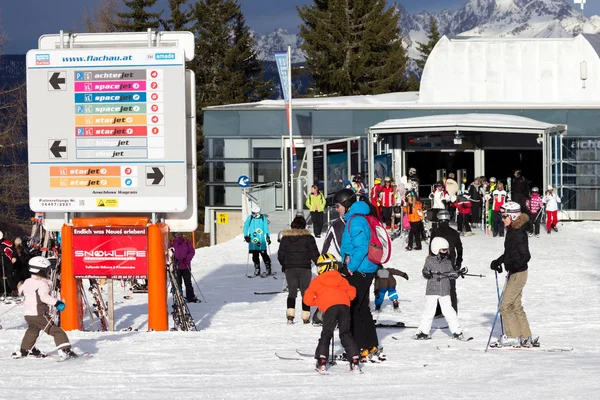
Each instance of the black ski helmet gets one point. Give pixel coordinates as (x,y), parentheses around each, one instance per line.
(344,197)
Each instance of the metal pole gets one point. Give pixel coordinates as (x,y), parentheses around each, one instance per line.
(290,123)
(111,305)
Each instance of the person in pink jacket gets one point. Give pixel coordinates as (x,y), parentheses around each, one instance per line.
(37,305)
(534,205)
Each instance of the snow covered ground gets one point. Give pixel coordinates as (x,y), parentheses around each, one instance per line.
(232,354)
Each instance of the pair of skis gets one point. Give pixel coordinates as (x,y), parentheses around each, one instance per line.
(182,317)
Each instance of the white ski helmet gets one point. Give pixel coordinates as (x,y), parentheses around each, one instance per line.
(438,243)
(255,210)
(412,171)
(512,209)
(535,189)
(492,180)
(38,265)
(1,235)
(550,187)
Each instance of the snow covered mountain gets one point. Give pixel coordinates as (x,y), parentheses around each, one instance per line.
(504,18)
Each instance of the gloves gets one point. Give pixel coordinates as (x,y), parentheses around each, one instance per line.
(462,271)
(344,271)
(247,239)
(60,306)
(268,239)
(404,275)
(427,274)
(496,266)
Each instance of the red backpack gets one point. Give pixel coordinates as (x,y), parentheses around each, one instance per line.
(380,244)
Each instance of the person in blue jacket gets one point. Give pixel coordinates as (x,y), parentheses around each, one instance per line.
(257,235)
(360,270)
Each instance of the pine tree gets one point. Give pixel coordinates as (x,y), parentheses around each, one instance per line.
(426,48)
(179,19)
(353,47)
(225,64)
(139,19)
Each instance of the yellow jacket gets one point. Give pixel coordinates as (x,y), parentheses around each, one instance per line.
(315,202)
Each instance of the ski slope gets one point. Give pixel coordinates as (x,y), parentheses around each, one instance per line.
(232,354)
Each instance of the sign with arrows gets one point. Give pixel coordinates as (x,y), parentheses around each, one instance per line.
(243,181)
(57,80)
(58,148)
(108,130)
(155,176)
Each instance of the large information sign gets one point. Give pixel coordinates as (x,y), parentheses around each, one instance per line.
(110,252)
(106,130)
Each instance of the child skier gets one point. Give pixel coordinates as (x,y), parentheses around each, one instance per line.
(257,235)
(414,210)
(438,271)
(37,301)
(551,201)
(332,294)
(385,282)
(534,205)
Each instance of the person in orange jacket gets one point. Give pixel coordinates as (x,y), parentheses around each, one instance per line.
(332,294)
(414,210)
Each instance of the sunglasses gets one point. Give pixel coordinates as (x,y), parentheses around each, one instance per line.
(505,216)
(443,250)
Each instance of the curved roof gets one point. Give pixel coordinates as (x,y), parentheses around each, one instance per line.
(524,70)
(466,122)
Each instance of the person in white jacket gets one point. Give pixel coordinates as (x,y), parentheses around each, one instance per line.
(439,198)
(36,310)
(551,201)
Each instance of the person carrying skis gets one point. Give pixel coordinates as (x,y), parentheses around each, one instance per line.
(455,253)
(551,201)
(332,294)
(498,198)
(414,210)
(316,204)
(385,282)
(438,271)
(359,271)
(515,258)
(296,251)
(37,291)
(183,252)
(535,206)
(256,234)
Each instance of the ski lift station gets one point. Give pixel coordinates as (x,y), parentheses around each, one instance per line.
(486,106)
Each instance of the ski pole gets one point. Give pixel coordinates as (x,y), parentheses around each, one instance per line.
(196,283)
(497,313)
(247,263)
(475,275)
(498,292)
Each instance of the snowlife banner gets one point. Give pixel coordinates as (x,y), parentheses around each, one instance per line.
(110,252)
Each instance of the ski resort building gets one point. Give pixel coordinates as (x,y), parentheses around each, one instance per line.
(486,106)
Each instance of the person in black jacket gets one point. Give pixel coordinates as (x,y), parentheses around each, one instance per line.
(519,189)
(296,251)
(515,258)
(455,253)
(475,193)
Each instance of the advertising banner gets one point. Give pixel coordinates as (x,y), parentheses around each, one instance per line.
(110,252)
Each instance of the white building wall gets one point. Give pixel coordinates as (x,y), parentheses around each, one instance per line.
(510,70)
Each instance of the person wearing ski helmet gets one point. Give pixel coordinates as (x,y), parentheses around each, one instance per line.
(361,271)
(414,177)
(297,251)
(439,198)
(535,206)
(515,259)
(257,235)
(438,271)
(38,300)
(332,294)
(551,200)
(387,199)
(455,252)
(519,188)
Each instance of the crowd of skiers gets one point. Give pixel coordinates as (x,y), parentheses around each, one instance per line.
(346,274)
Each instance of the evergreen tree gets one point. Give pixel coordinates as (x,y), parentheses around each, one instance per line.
(225,63)
(179,19)
(138,19)
(426,48)
(353,47)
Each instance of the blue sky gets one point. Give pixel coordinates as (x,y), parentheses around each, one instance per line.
(23,21)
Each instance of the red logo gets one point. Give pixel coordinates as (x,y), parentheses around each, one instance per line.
(155,119)
(154,96)
(154,74)
(127,170)
(155,130)
(154,107)
(154,85)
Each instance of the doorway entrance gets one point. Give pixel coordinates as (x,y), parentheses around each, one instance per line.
(502,163)
(427,163)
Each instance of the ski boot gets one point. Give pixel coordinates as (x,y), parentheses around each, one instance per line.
(268,268)
(376,354)
(396,305)
(66,353)
(506,341)
(256,269)
(421,336)
(378,307)
(290,314)
(555,229)
(529,342)
(194,300)
(321,366)
(34,352)
(355,364)
(306,317)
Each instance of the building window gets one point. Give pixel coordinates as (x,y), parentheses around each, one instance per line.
(269,168)
(218,148)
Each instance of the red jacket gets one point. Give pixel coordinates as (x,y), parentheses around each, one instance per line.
(464,207)
(329,289)
(374,194)
(388,196)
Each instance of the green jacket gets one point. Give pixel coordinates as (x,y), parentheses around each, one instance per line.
(315,202)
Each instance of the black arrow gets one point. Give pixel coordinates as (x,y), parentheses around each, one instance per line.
(55,81)
(156,175)
(56,148)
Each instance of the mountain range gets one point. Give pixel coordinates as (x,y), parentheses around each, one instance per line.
(496,18)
